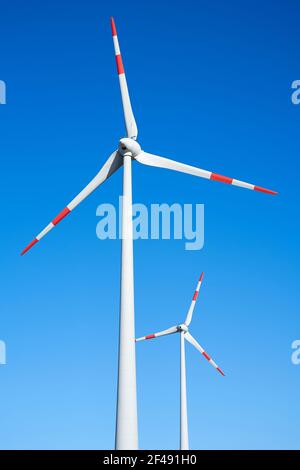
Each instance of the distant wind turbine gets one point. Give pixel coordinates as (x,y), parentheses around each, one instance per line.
(183,329)
(128,151)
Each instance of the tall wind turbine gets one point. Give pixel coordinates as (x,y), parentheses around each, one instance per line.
(183,329)
(128,151)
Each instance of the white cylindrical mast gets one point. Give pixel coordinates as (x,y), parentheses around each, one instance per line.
(184,437)
(126,425)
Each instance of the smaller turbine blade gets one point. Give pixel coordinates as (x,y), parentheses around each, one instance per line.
(193,303)
(169,331)
(110,166)
(192,340)
(130,123)
(161,162)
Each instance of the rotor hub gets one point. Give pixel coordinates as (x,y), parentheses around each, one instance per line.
(182,327)
(129,145)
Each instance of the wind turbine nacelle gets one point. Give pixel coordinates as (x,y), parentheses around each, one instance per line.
(182,327)
(129,145)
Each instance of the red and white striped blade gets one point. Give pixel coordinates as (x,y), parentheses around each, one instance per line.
(130,123)
(112,164)
(192,340)
(169,331)
(193,303)
(161,162)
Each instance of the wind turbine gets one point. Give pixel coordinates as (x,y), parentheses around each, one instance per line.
(128,151)
(183,329)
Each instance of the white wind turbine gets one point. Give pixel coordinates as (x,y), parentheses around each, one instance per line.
(128,151)
(183,329)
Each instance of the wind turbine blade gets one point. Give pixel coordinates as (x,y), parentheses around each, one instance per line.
(192,340)
(112,164)
(130,123)
(161,162)
(169,331)
(193,303)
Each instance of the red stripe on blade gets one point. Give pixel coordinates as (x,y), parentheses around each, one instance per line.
(206,355)
(195,295)
(264,190)
(29,246)
(221,178)
(113,26)
(119,64)
(150,336)
(201,277)
(61,215)
(221,372)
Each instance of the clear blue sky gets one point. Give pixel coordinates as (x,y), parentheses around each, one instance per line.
(210,85)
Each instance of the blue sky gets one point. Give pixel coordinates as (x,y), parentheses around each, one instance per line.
(211,86)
